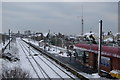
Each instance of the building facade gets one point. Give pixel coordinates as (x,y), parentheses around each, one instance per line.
(87,54)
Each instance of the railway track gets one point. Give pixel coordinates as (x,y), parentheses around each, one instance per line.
(29,61)
(41,73)
(46,60)
(42,59)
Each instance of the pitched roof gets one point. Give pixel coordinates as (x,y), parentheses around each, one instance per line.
(106,50)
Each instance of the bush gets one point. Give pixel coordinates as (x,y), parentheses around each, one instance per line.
(15,73)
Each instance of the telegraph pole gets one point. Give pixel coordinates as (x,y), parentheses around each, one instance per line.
(100,46)
(9,38)
(29,45)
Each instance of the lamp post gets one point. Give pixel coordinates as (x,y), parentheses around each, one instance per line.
(100,46)
(29,44)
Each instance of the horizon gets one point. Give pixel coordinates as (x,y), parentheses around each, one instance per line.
(59,16)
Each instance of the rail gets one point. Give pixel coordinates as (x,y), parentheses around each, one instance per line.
(58,62)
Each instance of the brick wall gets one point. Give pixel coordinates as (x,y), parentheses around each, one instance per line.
(115,64)
(92,60)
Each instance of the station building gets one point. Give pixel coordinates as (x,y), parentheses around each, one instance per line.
(88,55)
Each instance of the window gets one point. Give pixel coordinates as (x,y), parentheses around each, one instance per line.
(79,52)
(105,61)
(86,53)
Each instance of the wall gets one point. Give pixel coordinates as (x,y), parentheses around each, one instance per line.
(115,64)
(92,60)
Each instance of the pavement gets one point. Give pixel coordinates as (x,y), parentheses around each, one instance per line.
(74,63)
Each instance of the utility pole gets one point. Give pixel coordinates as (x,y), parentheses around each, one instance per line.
(49,36)
(100,46)
(49,39)
(9,38)
(29,45)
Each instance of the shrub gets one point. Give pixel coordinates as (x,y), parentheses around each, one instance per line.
(14,73)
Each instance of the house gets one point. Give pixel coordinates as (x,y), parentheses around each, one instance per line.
(27,32)
(117,38)
(88,55)
(38,36)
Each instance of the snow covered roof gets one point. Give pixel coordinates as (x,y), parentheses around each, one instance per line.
(41,40)
(36,35)
(79,35)
(116,34)
(105,33)
(106,50)
(54,34)
(29,36)
(71,37)
(45,34)
(108,39)
(88,34)
(39,35)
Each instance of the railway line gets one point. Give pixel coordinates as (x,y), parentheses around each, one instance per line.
(43,66)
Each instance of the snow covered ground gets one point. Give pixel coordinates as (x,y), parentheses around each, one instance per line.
(22,53)
(47,69)
(90,76)
(0,68)
(52,49)
(6,64)
(56,50)
(2,46)
(21,50)
(1,60)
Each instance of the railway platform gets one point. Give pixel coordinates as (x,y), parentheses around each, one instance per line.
(79,67)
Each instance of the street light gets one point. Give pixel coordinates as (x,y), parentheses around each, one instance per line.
(29,44)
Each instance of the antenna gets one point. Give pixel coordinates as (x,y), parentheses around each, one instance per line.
(82,20)
(49,31)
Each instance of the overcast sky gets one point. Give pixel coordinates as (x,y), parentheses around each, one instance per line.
(62,17)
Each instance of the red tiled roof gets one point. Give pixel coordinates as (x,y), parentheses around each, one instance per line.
(111,51)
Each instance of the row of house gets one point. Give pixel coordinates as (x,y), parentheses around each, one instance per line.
(88,53)
(87,37)
(40,36)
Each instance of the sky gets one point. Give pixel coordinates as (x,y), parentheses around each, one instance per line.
(64,17)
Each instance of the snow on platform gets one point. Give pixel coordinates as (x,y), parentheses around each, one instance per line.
(52,49)
(56,50)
